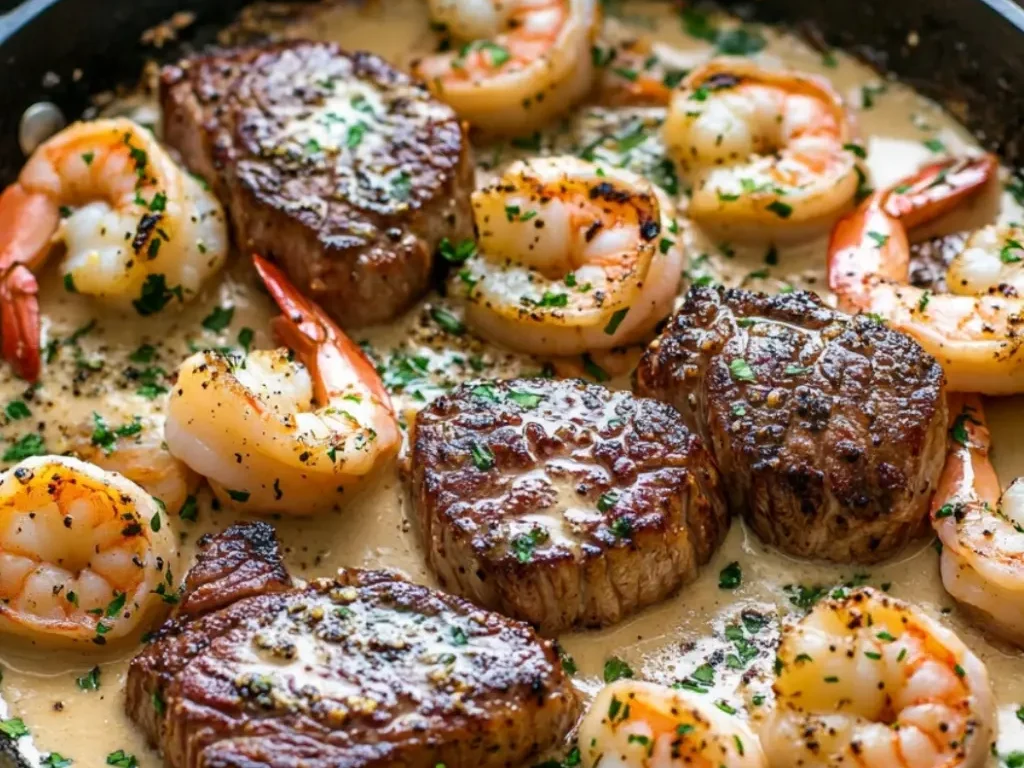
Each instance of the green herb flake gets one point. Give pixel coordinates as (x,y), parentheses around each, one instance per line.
(741,370)
(90,681)
(482,457)
(447,321)
(731,576)
(240,496)
(218,319)
(617,669)
(616,321)
(780,209)
(14,728)
(24,447)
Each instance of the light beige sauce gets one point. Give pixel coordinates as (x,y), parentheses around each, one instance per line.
(666,643)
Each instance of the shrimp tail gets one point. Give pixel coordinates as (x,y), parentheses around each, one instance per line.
(938,188)
(870,243)
(27,224)
(19,321)
(968,474)
(329,354)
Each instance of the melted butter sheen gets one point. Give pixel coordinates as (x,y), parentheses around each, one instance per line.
(103,370)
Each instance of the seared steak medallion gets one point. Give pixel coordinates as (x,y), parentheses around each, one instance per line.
(560,502)
(363,671)
(830,429)
(339,166)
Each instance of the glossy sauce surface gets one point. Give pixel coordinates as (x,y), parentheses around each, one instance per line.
(711,637)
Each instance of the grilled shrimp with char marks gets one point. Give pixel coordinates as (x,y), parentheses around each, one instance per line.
(981,529)
(763,150)
(867,680)
(134,224)
(633,724)
(523,61)
(276,435)
(571,257)
(84,554)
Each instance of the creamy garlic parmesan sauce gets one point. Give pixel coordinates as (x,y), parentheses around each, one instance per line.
(104,370)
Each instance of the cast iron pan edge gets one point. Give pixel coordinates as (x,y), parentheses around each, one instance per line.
(966,54)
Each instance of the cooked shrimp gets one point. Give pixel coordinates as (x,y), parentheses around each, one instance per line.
(523,62)
(982,533)
(764,151)
(84,554)
(867,680)
(136,227)
(144,459)
(571,257)
(977,339)
(277,435)
(992,261)
(632,724)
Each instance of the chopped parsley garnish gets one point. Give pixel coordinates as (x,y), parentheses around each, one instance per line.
(524,544)
(459,636)
(155,295)
(456,254)
(524,399)
(190,509)
(616,321)
(482,457)
(1011,252)
(741,370)
(622,528)
(218,319)
(780,209)
(16,409)
(934,145)
(856,149)
(245,337)
(879,238)
(796,370)
(552,299)
(14,728)
(731,576)
(90,681)
(448,322)
(239,496)
(69,283)
(922,304)
(607,500)
(28,445)
(616,669)
(122,759)
(56,760)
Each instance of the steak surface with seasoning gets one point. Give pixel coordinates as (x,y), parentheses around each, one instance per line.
(562,503)
(337,165)
(360,671)
(829,429)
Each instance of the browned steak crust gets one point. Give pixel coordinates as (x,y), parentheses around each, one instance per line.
(364,670)
(830,429)
(337,165)
(560,502)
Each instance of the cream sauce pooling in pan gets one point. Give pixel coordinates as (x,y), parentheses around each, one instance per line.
(712,639)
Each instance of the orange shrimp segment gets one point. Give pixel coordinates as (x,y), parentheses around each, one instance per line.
(285,431)
(126,213)
(976,338)
(518,63)
(981,529)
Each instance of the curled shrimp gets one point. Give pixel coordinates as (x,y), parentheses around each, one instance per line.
(976,338)
(764,151)
(84,554)
(981,530)
(522,63)
(570,258)
(868,680)
(273,434)
(145,460)
(136,228)
(992,261)
(633,724)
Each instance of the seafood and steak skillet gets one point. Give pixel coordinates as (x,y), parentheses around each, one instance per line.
(964,54)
